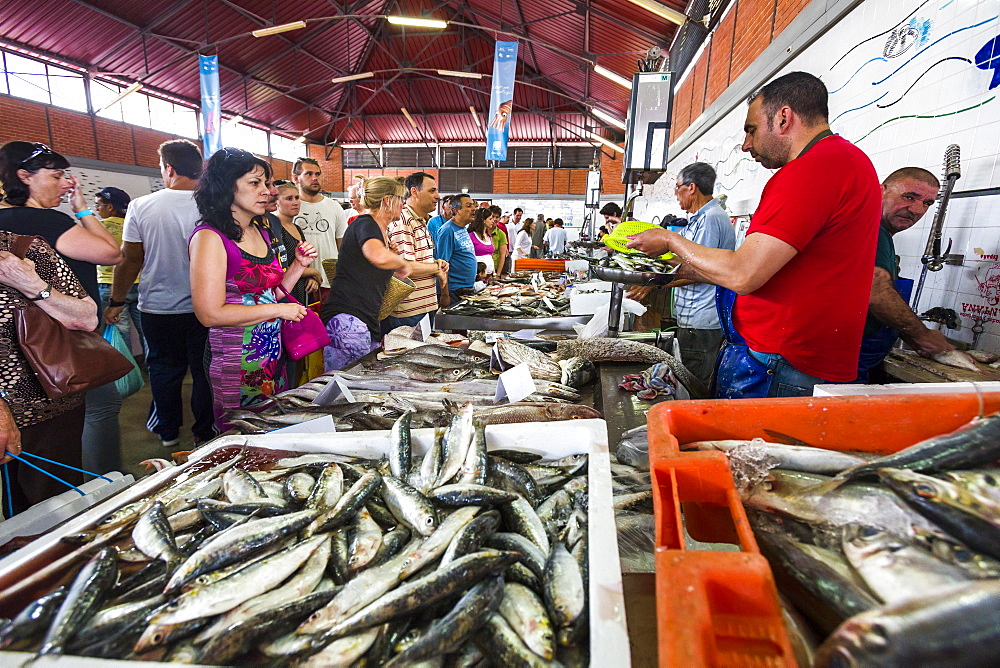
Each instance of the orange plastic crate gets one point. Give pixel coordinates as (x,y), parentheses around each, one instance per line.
(721,608)
(529,264)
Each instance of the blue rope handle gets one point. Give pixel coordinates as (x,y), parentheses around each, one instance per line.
(55,477)
(9,495)
(65,466)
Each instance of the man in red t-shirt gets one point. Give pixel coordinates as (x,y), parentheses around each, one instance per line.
(803,275)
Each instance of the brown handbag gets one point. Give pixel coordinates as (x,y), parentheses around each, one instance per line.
(65,361)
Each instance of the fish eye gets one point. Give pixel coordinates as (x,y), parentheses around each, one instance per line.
(869,532)
(925,490)
(990,480)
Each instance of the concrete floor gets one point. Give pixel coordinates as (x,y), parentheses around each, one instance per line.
(138,443)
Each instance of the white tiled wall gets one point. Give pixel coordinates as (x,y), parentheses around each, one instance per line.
(944,98)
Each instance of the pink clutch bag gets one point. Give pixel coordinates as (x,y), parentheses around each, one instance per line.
(305,336)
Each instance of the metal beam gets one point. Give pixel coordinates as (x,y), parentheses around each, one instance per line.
(159,18)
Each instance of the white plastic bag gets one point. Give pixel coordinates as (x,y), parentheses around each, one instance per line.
(597,327)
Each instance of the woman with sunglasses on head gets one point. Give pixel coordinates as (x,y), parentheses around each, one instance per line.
(34,179)
(364,268)
(234,276)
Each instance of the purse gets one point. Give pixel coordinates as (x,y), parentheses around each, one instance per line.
(65,361)
(396,291)
(305,336)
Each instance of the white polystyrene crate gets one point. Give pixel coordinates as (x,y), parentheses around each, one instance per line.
(904,388)
(609,644)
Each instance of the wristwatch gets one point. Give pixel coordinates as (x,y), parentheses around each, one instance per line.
(113,304)
(44,294)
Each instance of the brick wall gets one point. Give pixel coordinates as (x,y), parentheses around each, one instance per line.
(729,53)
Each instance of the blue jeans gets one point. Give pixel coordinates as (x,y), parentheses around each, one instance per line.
(131,311)
(786,380)
(101,433)
(391,323)
(175,343)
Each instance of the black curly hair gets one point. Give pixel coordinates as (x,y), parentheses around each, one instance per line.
(217,188)
(27,155)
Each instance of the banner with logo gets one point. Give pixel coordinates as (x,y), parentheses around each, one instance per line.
(211,105)
(501,100)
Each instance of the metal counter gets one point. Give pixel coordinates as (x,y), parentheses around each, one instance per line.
(445,322)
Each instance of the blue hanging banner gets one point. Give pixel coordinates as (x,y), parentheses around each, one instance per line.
(211,105)
(501,100)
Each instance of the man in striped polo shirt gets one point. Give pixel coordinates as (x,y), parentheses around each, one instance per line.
(409,237)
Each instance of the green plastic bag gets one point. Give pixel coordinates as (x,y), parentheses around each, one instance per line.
(131,382)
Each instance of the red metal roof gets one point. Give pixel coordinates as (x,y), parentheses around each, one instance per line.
(283,81)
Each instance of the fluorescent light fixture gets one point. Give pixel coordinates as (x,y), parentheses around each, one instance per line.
(274,30)
(408,117)
(301,139)
(617,78)
(353,77)
(122,95)
(607,143)
(461,75)
(475,116)
(420,23)
(608,118)
(669,13)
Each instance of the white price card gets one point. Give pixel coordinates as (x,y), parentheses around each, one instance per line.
(320,425)
(496,362)
(335,392)
(548,302)
(514,384)
(422,330)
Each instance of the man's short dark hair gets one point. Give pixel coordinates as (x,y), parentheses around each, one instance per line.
(183,155)
(611,209)
(804,93)
(516,209)
(416,180)
(297,167)
(916,173)
(456,200)
(700,174)
(558,221)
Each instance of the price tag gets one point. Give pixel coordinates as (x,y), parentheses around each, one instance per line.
(514,384)
(548,302)
(335,392)
(492,337)
(422,330)
(527,334)
(320,425)
(537,280)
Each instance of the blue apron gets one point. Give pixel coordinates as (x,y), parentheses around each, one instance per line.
(738,375)
(877,345)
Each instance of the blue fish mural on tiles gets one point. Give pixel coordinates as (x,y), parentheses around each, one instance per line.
(988,58)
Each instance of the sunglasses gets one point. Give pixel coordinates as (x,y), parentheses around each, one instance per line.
(40,149)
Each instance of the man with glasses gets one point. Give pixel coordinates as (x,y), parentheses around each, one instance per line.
(699,331)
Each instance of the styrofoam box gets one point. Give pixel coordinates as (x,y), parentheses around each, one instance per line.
(598,293)
(904,388)
(609,644)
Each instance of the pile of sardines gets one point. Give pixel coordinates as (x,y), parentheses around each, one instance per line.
(457,556)
(511,301)
(428,382)
(896,557)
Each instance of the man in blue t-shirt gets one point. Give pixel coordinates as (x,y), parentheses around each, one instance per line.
(435,223)
(454,245)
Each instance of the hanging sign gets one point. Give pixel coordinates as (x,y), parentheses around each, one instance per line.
(501,100)
(211,105)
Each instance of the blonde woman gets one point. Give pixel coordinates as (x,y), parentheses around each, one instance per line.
(366,264)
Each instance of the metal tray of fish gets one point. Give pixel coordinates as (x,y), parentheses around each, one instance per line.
(444,321)
(607,624)
(631,277)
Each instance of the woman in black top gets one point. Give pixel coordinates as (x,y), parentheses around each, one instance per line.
(363,270)
(34,181)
